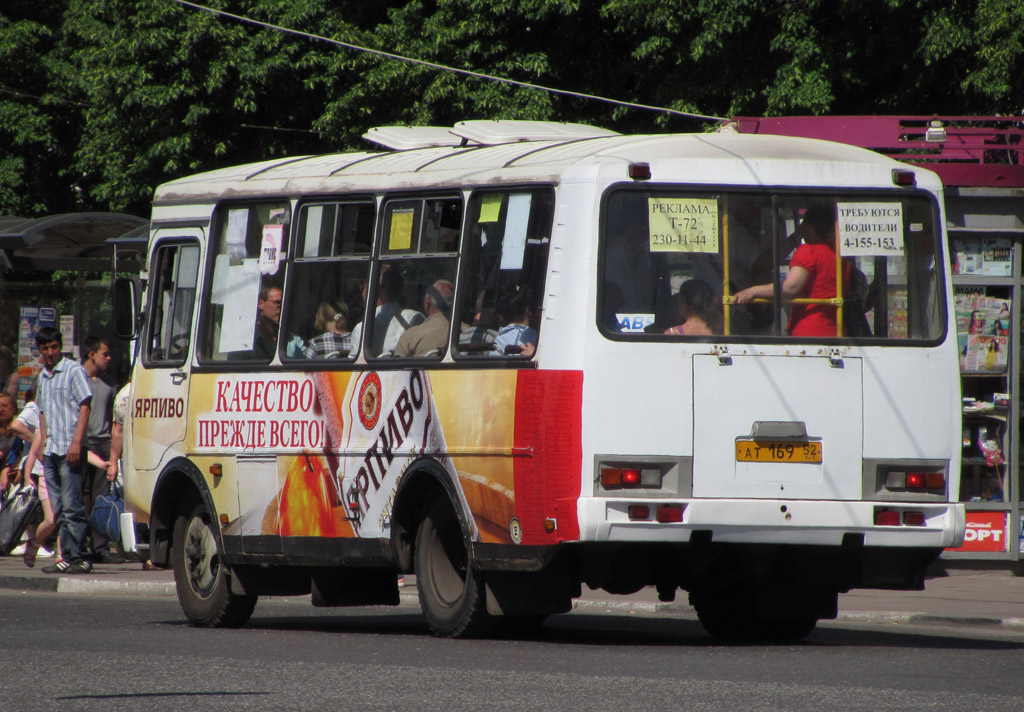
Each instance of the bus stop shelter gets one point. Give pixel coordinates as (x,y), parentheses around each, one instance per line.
(65,262)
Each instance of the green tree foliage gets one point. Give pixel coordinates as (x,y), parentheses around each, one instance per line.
(105,99)
(38,126)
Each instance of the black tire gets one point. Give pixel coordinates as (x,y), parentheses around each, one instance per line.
(451,592)
(200,578)
(733,616)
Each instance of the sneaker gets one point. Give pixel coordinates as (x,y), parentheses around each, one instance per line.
(82,566)
(61,567)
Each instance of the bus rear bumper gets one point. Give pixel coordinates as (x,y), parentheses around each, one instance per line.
(801,522)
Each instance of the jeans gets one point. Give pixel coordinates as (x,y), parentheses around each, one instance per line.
(64,484)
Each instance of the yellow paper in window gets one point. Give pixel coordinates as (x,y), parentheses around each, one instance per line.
(400,237)
(683,224)
(490,207)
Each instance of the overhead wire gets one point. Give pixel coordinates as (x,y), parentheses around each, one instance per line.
(443,67)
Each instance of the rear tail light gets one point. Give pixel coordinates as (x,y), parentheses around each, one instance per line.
(896,517)
(630,477)
(670,513)
(915,481)
(639,511)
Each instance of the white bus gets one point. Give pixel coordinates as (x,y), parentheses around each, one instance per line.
(519,358)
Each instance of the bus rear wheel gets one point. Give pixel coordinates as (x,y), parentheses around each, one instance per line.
(200,578)
(451,591)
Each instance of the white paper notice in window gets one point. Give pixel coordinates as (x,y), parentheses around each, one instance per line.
(517,220)
(870,229)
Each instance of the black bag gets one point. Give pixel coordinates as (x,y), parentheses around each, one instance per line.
(106,513)
(18,507)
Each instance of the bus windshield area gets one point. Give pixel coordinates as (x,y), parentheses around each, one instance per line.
(683,263)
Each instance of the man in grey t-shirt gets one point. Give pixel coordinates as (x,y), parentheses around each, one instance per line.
(97,433)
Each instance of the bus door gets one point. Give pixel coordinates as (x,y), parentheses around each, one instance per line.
(160,405)
(777,427)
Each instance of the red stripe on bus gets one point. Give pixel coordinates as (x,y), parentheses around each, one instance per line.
(548,421)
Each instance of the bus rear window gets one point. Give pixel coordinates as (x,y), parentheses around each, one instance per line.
(691,265)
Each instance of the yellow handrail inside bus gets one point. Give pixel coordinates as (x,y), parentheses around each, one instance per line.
(726,297)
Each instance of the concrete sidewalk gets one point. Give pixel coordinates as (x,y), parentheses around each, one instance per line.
(963,597)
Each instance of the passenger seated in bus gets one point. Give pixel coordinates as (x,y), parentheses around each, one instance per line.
(429,338)
(812,274)
(268,318)
(479,336)
(390,320)
(699,311)
(335,339)
(519,335)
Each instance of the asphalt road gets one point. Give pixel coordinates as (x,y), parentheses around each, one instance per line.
(84,653)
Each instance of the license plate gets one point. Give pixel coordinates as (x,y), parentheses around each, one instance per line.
(778,451)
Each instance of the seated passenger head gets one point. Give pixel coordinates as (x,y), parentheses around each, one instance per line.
(391,285)
(439,297)
(517,306)
(695,298)
(331,315)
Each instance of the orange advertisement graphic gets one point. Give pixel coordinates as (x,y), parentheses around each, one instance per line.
(307,505)
(477,416)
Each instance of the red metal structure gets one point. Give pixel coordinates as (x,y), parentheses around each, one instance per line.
(963,150)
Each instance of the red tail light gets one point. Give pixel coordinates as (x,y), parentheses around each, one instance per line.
(914,519)
(639,511)
(915,480)
(670,513)
(887,518)
(630,477)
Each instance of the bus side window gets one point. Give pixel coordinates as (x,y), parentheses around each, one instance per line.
(415,290)
(330,270)
(241,321)
(173,299)
(504,268)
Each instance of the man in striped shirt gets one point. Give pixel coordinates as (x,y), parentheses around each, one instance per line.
(64,400)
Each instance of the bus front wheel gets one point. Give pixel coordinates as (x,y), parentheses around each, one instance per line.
(200,578)
(451,591)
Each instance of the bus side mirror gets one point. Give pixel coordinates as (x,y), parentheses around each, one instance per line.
(124,299)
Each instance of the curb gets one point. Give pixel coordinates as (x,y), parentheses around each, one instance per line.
(69,584)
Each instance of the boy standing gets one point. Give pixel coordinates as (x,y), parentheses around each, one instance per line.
(64,399)
(97,434)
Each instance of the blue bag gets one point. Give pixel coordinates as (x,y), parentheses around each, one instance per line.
(106,513)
